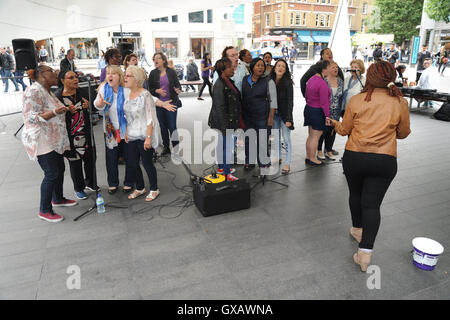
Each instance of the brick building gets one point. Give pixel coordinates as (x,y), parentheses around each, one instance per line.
(308,22)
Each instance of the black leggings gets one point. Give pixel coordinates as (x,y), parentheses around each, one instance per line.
(328,135)
(368,177)
(206,82)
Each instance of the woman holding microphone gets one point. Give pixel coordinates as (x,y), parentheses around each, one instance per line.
(45,138)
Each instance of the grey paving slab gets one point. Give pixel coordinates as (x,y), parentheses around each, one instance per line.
(292,243)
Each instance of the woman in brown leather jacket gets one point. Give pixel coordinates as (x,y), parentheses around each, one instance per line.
(374,120)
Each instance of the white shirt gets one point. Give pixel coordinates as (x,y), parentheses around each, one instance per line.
(356,88)
(429,79)
(140,113)
(113,109)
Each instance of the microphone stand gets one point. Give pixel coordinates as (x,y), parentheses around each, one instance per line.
(94,158)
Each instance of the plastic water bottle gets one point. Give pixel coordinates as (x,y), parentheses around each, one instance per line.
(100,204)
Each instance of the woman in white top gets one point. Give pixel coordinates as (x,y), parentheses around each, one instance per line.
(353,82)
(111,98)
(143,133)
(45,138)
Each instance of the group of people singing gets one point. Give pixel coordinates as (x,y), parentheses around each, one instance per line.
(248,94)
(57,125)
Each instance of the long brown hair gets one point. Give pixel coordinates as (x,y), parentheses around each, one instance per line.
(128,58)
(380,75)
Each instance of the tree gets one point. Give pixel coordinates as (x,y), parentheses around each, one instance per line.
(398,17)
(438,10)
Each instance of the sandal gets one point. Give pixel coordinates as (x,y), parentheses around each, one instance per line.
(285,171)
(112,191)
(127,190)
(152,195)
(136,193)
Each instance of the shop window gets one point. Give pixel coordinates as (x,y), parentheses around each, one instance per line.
(196,17)
(199,46)
(209,14)
(168,46)
(85,48)
(163,19)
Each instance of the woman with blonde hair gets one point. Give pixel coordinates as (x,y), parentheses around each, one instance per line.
(143,134)
(111,98)
(373,122)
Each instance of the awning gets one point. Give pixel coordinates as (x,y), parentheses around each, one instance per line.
(305,39)
(322,39)
(43,19)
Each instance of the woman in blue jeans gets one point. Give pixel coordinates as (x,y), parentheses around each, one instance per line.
(259,102)
(225,115)
(111,98)
(283,119)
(45,139)
(164,84)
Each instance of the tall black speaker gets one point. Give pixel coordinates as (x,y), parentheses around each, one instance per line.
(125,48)
(25,54)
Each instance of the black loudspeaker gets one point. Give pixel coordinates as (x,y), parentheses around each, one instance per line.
(125,48)
(217,198)
(443,113)
(25,54)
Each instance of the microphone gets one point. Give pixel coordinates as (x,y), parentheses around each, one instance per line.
(352,70)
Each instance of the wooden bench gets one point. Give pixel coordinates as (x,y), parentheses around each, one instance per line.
(186,83)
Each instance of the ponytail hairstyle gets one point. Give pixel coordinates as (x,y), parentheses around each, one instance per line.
(33,74)
(221,65)
(323,64)
(381,75)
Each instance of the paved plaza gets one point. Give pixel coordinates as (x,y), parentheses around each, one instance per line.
(293,243)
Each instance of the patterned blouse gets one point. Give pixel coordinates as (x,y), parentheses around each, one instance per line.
(42,136)
(336,99)
(140,113)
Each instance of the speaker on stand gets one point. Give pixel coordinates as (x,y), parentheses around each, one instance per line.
(26,57)
(25,54)
(125,48)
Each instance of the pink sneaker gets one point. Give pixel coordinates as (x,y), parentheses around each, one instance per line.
(230,177)
(64,203)
(51,217)
(221,171)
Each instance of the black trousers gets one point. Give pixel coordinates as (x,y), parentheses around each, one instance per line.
(206,82)
(135,152)
(328,135)
(80,181)
(369,176)
(418,75)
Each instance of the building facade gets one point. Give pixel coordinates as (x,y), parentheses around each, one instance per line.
(209,30)
(433,33)
(308,22)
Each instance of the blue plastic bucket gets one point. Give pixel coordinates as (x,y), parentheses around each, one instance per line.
(426,253)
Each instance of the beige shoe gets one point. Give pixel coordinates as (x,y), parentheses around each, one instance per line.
(363,259)
(356,233)
(152,195)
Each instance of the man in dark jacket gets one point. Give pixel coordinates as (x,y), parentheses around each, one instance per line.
(378,52)
(8,67)
(325,54)
(192,73)
(392,55)
(421,56)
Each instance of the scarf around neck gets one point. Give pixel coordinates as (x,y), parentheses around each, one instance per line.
(109,97)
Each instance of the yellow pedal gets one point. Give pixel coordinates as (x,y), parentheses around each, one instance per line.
(218,179)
